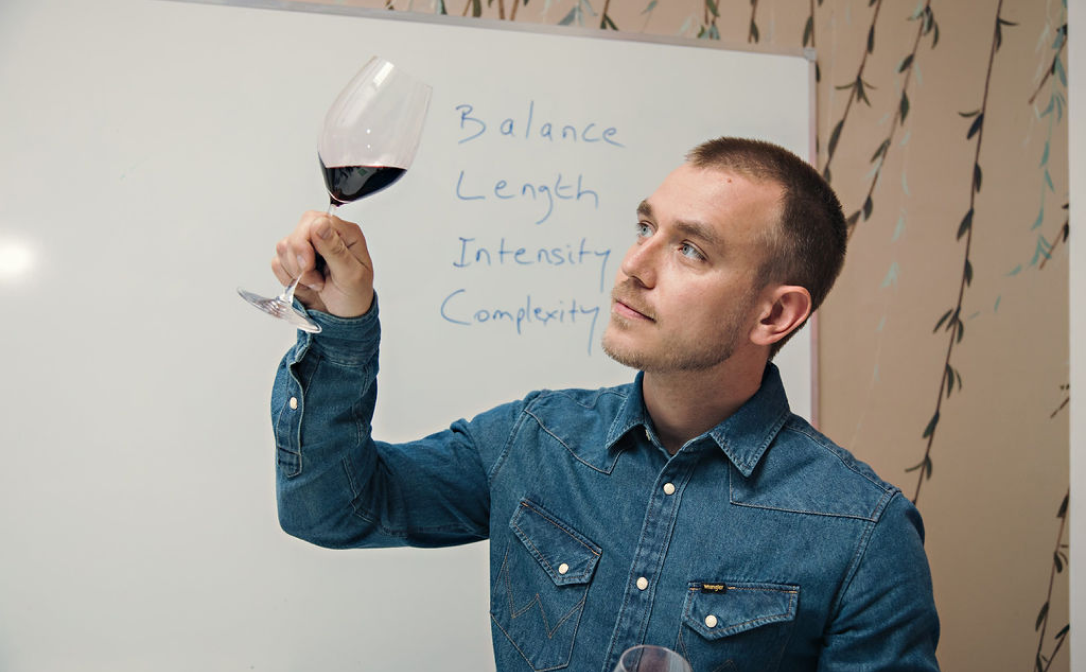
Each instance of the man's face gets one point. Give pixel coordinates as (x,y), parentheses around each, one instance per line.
(684,296)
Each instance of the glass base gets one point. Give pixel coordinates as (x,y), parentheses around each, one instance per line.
(284,310)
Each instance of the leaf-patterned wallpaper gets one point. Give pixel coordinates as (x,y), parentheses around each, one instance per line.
(943,350)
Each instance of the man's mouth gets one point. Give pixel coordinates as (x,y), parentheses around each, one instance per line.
(630,309)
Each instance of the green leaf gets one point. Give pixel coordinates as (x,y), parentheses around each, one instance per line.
(476,8)
(880,151)
(958,375)
(949,374)
(1062,632)
(826,174)
(924,464)
(753,36)
(861,93)
(961,330)
(1063,506)
(569,18)
(968,272)
(871,39)
(975,128)
(1058,561)
(998,36)
(935,37)
(648,10)
(868,206)
(1006,22)
(1044,156)
(852,219)
(967,223)
(711,4)
(834,137)
(976,176)
(930,429)
(903,108)
(1041,616)
(808,30)
(606,22)
(969,114)
(905,63)
(942,319)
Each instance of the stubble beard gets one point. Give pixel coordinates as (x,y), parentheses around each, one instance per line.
(685,353)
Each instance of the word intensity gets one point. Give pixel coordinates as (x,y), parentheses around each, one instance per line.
(474,253)
(524,128)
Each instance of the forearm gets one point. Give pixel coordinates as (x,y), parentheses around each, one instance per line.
(337,486)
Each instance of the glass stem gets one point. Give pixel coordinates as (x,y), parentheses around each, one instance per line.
(288,295)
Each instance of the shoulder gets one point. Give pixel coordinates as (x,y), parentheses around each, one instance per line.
(804,471)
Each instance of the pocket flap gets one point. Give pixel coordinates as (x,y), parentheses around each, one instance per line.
(717,610)
(566,556)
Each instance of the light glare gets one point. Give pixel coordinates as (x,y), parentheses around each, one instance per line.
(16,260)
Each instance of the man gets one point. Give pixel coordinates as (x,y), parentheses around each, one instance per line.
(689,509)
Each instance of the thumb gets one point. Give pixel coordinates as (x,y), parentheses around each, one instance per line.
(328,244)
(348,280)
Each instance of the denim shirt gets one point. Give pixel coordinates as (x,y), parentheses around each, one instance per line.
(758,546)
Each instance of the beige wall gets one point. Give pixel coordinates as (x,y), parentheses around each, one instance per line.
(998,455)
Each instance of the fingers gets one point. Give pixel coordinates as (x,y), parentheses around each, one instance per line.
(342,246)
(295,256)
(343,284)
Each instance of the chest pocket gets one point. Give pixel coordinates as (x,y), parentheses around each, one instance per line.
(735,626)
(538,594)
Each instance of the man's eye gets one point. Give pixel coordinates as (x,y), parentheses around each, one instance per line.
(688,250)
(643,230)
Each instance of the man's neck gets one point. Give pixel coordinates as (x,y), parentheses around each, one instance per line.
(686,404)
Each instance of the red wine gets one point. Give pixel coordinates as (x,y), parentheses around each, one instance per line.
(350,183)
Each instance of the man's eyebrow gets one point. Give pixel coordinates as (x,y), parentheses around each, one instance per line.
(705,232)
(644,209)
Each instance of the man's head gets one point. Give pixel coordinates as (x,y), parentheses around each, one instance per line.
(733,252)
(807,245)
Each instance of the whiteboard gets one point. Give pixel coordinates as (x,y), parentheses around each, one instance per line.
(151,153)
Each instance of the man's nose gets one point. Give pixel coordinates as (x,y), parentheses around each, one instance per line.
(640,261)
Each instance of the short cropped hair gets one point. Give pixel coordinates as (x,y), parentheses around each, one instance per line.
(807,247)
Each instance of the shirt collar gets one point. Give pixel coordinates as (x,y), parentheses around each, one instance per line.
(744,436)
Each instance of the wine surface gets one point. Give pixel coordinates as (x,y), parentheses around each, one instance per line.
(350,183)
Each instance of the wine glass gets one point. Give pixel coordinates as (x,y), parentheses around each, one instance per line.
(367,142)
(648,658)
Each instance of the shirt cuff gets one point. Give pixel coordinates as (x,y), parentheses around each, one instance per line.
(345,339)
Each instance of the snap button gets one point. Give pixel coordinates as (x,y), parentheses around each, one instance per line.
(647,434)
(669,488)
(642,583)
(563,568)
(710,621)
(294,403)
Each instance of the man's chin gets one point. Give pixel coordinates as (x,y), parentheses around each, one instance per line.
(623,355)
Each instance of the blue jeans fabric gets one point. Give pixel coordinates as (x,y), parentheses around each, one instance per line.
(758,546)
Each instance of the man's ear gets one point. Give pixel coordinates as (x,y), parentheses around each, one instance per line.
(786,307)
